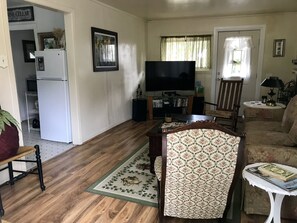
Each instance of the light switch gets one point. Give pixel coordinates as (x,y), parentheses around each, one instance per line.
(3,61)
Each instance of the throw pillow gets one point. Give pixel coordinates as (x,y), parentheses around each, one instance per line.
(290,114)
(293,132)
(268,138)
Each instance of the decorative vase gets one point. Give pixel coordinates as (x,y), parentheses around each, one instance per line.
(9,142)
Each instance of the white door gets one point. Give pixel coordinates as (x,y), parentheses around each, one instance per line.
(241,50)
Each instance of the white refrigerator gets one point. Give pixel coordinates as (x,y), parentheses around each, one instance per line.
(53,95)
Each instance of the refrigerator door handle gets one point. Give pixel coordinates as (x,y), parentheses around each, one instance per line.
(51,79)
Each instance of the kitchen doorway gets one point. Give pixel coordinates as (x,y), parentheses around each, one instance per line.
(28,101)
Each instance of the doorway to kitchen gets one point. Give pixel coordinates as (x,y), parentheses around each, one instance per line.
(28,101)
(25,73)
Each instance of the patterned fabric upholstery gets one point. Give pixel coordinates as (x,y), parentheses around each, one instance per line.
(200,168)
(158,167)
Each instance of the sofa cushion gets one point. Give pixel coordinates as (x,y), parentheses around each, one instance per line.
(268,138)
(262,126)
(271,154)
(293,132)
(256,201)
(290,114)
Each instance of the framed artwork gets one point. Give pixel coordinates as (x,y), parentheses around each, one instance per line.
(46,41)
(29,49)
(104,49)
(20,14)
(279,47)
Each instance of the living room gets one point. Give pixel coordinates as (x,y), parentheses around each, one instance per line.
(102,100)
(114,90)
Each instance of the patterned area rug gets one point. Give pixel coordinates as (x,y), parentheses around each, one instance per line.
(130,180)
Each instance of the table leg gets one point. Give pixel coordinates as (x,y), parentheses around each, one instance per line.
(152,164)
(275,208)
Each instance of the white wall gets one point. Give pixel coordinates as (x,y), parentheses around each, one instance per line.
(100,100)
(23,70)
(8,91)
(46,20)
(8,95)
(278,26)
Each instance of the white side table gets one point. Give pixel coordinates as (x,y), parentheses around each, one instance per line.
(256,110)
(276,194)
(259,104)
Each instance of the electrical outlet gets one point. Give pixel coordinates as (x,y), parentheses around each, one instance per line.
(3,61)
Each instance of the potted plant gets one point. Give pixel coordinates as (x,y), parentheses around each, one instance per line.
(9,135)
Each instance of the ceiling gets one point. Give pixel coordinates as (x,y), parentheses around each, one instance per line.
(165,9)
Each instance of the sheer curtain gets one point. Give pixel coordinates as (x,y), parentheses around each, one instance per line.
(187,48)
(237,57)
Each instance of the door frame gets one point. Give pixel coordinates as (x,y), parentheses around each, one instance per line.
(260,28)
(69,15)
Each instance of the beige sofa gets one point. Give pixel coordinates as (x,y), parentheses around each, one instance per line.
(271,136)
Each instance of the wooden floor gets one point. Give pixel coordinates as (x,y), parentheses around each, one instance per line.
(67,176)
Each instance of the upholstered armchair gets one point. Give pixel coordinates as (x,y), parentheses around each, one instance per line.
(197,172)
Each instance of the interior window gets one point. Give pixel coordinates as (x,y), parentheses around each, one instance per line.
(237,57)
(187,48)
(236,61)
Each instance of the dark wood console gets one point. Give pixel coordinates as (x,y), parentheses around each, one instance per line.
(158,106)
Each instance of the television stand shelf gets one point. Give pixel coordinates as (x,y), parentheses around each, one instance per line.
(158,106)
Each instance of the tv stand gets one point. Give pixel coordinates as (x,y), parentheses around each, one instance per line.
(170,93)
(158,106)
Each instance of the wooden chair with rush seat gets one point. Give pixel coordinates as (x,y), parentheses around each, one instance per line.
(228,102)
(197,171)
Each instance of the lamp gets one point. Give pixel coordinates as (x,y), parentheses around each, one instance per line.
(272,82)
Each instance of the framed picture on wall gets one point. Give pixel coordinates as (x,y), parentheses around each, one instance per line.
(279,47)
(29,50)
(46,40)
(104,49)
(20,14)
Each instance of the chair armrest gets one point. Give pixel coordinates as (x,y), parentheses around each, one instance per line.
(207,106)
(209,103)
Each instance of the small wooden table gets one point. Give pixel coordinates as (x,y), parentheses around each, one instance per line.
(22,152)
(276,194)
(155,134)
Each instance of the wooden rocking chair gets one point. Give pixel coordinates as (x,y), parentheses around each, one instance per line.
(228,102)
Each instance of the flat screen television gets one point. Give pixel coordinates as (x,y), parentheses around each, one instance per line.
(169,75)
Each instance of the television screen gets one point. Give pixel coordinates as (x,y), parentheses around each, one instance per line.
(169,75)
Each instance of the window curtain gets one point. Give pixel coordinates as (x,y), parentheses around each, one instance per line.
(244,45)
(187,48)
